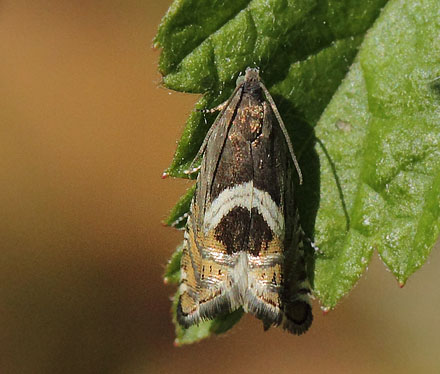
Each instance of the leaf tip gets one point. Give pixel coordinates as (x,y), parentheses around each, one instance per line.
(156,44)
(176,343)
(325,310)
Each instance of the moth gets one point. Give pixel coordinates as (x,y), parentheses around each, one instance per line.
(243,243)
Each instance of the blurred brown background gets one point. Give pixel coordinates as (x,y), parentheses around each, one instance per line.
(85,133)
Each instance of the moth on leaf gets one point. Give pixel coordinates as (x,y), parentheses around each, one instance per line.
(243,243)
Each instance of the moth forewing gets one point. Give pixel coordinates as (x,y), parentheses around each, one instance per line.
(243,240)
(219,120)
(283,129)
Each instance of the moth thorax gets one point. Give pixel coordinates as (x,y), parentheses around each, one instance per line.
(253,88)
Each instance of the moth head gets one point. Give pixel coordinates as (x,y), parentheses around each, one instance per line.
(251,75)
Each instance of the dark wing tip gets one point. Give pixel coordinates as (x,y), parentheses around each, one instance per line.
(298,317)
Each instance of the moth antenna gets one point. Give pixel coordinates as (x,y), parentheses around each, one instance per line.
(284,130)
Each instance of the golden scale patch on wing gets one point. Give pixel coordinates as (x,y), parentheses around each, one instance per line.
(267,271)
(187,297)
(271,297)
(216,265)
(275,246)
(208,293)
(191,260)
(210,241)
(190,265)
(212,271)
(211,274)
(212,277)
(270,275)
(270,253)
(188,303)
(268,282)
(252,116)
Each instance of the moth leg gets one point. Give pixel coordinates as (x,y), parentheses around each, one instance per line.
(218,108)
(192,170)
(313,245)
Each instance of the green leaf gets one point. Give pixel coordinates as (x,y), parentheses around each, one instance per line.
(177,217)
(172,270)
(191,140)
(355,85)
(380,154)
